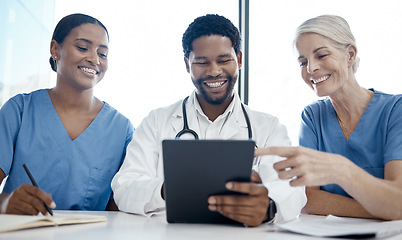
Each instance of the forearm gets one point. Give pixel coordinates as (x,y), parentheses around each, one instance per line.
(381,198)
(136,195)
(137,185)
(289,200)
(320,202)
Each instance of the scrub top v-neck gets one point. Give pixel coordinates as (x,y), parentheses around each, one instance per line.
(376,139)
(76,172)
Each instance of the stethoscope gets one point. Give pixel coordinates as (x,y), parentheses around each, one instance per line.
(186,129)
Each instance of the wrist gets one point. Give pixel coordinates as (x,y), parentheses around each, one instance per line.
(344,173)
(271,211)
(5,197)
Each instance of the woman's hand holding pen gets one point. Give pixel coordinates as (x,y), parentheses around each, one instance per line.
(308,167)
(27,200)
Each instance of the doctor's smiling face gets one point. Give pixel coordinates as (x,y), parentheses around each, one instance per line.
(214,68)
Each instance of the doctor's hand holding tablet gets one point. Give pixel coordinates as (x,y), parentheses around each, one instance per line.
(250,208)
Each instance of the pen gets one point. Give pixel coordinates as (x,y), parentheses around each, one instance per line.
(36,185)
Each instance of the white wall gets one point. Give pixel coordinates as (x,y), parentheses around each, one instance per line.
(275,83)
(146,66)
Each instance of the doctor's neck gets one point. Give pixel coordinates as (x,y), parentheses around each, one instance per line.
(213,111)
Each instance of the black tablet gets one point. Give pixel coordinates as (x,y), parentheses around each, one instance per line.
(197,169)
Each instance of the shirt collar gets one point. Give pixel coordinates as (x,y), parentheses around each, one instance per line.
(228,111)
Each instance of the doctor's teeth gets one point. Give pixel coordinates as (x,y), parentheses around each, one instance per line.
(215,84)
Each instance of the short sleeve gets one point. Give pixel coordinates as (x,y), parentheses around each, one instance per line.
(129,137)
(393,144)
(308,134)
(10,122)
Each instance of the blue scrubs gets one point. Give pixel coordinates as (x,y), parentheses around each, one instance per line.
(76,172)
(376,140)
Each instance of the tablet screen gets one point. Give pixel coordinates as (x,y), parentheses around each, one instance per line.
(197,169)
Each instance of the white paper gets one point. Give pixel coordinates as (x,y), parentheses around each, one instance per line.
(332,226)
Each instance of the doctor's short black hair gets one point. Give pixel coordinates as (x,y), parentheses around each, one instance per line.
(210,24)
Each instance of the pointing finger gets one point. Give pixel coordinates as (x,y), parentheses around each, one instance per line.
(278,151)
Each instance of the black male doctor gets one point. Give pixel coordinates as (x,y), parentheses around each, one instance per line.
(212,55)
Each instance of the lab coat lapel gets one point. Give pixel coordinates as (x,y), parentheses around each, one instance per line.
(235,124)
(177,119)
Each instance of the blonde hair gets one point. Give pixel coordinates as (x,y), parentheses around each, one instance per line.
(332,27)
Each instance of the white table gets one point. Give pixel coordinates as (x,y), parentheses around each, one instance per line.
(121,225)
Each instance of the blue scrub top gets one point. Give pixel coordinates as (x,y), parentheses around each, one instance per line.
(76,172)
(376,140)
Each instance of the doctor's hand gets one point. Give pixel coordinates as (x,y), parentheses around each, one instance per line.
(250,209)
(308,167)
(26,200)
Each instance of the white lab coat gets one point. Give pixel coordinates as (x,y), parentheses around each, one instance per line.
(137,185)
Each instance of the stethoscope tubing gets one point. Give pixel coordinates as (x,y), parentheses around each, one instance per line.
(186,129)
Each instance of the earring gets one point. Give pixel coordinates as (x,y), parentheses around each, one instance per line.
(55,57)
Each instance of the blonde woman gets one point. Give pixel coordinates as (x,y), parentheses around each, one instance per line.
(351,141)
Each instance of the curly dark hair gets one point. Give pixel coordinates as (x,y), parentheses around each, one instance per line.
(210,24)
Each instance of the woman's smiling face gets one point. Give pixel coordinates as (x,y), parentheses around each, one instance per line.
(324,67)
(82,56)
